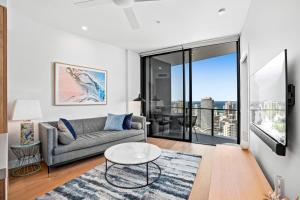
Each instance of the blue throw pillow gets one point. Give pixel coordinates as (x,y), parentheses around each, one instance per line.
(127,121)
(65,126)
(114,122)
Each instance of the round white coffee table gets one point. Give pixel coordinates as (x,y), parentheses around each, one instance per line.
(132,153)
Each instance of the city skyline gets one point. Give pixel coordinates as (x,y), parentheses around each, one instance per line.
(208,76)
(217,104)
(221,122)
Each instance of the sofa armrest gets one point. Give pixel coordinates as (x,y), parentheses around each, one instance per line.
(141,120)
(48,139)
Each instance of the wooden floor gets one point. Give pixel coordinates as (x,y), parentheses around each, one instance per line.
(33,186)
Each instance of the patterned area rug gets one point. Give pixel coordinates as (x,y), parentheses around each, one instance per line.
(178,171)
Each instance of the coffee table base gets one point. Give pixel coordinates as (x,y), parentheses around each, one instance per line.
(141,186)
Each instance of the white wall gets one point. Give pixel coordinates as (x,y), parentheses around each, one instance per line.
(133,81)
(133,75)
(271,26)
(32,49)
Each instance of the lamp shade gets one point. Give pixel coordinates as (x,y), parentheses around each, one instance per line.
(135,107)
(27,110)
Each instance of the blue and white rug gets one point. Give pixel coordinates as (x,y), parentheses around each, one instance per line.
(178,171)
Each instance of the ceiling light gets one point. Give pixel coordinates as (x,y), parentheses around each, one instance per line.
(222,11)
(85,28)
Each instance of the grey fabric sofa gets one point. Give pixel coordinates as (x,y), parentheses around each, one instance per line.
(92,139)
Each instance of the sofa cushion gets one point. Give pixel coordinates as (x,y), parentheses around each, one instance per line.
(127,121)
(96,138)
(65,126)
(93,124)
(114,122)
(77,124)
(136,125)
(65,138)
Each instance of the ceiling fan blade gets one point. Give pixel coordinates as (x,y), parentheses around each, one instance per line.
(145,0)
(131,17)
(90,3)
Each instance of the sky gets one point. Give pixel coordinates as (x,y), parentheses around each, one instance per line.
(214,77)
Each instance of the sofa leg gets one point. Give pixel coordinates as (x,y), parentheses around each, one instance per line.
(48,170)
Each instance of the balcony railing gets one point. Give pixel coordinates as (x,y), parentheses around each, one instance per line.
(209,121)
(214,121)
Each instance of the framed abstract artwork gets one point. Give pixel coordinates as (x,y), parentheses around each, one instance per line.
(76,85)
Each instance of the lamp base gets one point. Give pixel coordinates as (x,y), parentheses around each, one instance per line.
(27,133)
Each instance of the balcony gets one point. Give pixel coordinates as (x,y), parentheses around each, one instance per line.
(209,126)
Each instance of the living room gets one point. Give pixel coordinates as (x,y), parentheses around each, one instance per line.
(123,99)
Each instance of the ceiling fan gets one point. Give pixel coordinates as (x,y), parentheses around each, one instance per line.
(125,4)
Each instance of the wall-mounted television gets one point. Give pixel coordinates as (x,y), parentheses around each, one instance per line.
(269,103)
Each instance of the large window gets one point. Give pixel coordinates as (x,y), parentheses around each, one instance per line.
(206,77)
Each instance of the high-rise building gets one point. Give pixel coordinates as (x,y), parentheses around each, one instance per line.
(198,122)
(195,110)
(224,121)
(230,129)
(206,114)
(177,107)
(229,108)
(217,127)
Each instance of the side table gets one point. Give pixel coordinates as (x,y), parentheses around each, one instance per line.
(28,162)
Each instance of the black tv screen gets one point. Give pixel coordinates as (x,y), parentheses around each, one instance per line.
(268,98)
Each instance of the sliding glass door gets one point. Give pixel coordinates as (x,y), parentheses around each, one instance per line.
(192,95)
(165,94)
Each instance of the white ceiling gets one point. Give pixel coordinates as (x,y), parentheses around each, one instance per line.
(182,21)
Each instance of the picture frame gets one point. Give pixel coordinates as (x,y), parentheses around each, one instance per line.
(77,85)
